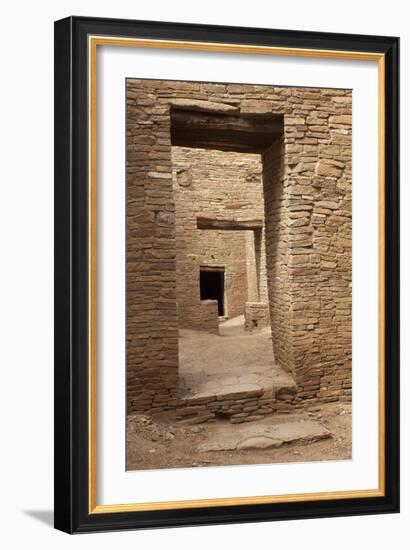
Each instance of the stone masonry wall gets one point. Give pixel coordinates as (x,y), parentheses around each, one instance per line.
(216,185)
(205,317)
(256,316)
(152,338)
(251,270)
(310,181)
(227,249)
(318,206)
(277,247)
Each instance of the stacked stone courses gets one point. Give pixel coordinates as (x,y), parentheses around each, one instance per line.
(306,181)
(221,185)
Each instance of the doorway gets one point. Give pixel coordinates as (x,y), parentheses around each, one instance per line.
(212,286)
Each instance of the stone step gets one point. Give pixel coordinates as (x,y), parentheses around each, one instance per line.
(240,402)
(222,393)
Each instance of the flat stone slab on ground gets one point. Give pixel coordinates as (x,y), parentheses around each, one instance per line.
(262,435)
(237,391)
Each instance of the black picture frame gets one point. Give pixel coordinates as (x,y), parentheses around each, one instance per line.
(71,491)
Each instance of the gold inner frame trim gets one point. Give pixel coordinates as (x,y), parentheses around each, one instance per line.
(93,42)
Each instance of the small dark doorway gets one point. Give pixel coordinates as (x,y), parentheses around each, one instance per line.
(211,283)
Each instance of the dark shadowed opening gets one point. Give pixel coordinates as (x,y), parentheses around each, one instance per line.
(212,287)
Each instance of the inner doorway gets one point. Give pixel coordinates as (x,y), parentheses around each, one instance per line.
(212,286)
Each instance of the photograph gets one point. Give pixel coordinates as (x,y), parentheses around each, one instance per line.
(238,274)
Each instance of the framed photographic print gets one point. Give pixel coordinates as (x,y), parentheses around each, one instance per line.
(226,274)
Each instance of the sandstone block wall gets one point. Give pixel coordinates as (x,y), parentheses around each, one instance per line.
(307,234)
(249,404)
(256,316)
(203,316)
(152,339)
(222,186)
(277,252)
(318,208)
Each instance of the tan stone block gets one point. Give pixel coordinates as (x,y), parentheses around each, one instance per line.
(252,106)
(340,119)
(294,121)
(329,168)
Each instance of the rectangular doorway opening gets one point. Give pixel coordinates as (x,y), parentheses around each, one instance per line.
(212,283)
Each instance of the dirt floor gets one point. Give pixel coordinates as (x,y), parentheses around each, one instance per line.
(210,363)
(163,442)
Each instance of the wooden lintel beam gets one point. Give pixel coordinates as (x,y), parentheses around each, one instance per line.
(194,120)
(221,145)
(228,224)
(225,132)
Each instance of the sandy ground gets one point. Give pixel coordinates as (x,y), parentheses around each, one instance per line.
(221,362)
(210,363)
(165,443)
